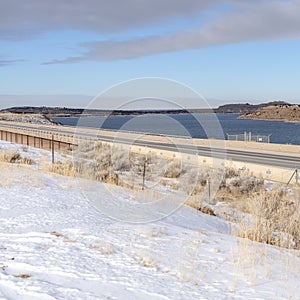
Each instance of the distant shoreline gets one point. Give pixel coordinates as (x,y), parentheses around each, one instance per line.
(57,112)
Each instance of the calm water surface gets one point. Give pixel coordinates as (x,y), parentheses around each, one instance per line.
(197,126)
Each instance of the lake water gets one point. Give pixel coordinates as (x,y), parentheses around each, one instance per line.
(197,126)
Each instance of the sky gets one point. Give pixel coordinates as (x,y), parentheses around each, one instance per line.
(64,53)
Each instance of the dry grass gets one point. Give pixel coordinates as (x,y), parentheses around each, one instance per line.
(270,217)
(194,181)
(240,183)
(104,248)
(101,162)
(14,158)
(174,169)
(57,234)
(24,276)
(196,203)
(63,168)
(274,219)
(207,210)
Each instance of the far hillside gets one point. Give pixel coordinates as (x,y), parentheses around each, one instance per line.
(289,113)
(244,108)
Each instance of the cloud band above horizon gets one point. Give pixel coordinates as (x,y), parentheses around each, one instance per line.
(224,22)
(265,22)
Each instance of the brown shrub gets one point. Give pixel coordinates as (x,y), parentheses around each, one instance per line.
(274,219)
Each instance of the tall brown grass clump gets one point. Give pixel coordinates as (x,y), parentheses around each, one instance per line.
(274,219)
(174,169)
(63,168)
(14,158)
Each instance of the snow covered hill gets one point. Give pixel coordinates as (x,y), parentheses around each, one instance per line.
(55,245)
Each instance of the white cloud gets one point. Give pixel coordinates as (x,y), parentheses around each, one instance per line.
(19,19)
(247,20)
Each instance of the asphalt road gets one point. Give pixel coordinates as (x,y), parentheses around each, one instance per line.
(266,159)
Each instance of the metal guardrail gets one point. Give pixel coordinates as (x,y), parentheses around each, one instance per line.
(36,138)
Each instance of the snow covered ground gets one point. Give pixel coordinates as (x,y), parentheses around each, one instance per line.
(26,118)
(55,245)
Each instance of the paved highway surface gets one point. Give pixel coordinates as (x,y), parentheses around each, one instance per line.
(267,159)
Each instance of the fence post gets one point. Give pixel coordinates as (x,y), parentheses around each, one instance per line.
(52,148)
(208,182)
(295,173)
(144,173)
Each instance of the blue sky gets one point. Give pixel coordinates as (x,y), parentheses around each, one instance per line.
(227,51)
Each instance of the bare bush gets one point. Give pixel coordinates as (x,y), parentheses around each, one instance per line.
(239,182)
(194,181)
(85,150)
(174,169)
(120,161)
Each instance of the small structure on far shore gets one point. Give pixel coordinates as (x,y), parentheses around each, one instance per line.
(249,137)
